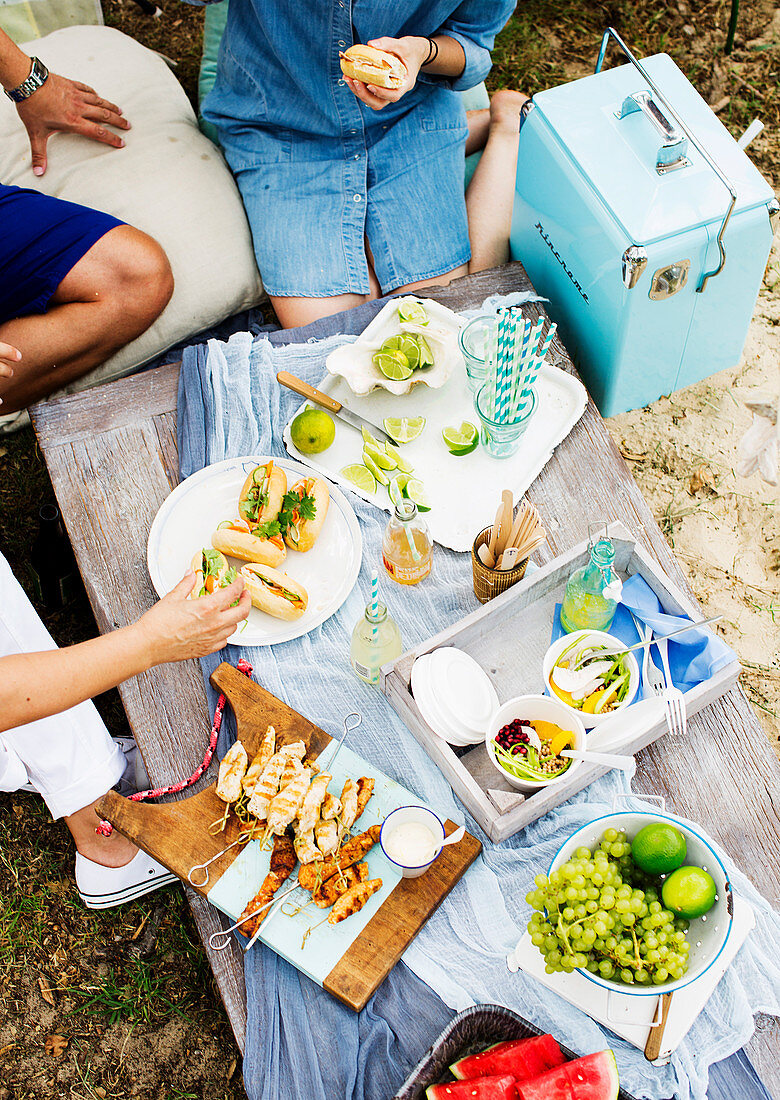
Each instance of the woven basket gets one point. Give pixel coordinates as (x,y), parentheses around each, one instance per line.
(492,582)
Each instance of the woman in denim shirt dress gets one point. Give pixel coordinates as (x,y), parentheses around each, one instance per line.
(350,190)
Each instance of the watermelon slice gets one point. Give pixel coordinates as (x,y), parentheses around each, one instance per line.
(523,1058)
(484,1088)
(594,1077)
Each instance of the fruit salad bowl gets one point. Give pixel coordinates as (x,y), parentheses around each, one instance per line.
(707,935)
(554,653)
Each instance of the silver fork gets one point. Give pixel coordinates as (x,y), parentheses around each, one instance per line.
(674,699)
(651,674)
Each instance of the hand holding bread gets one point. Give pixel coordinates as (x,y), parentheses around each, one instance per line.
(383,70)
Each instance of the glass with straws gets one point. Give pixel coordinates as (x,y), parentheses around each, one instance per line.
(507,401)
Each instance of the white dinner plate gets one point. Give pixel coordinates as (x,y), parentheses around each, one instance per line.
(188,517)
(463,692)
(428,706)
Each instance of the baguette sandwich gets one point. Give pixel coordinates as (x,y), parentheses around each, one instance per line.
(373,66)
(273,592)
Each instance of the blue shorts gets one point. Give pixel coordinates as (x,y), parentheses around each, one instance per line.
(41,240)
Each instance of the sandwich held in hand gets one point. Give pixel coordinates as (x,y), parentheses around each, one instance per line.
(373,66)
(211,572)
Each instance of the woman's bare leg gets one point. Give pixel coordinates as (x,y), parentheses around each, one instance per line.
(110,851)
(479,127)
(490,195)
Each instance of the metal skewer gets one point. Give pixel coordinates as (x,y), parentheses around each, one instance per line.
(347,729)
(216,941)
(241,839)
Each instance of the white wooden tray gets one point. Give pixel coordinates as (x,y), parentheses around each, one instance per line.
(508,637)
(464,492)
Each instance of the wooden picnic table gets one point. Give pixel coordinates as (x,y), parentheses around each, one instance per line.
(112,457)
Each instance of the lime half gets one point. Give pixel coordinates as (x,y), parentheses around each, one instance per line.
(403,464)
(383,460)
(393,365)
(377,471)
(409,309)
(403,429)
(462,440)
(361,476)
(415,491)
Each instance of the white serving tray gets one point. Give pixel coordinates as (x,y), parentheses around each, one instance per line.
(628,1016)
(464,492)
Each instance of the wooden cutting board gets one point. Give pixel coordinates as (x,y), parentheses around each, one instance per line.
(177,834)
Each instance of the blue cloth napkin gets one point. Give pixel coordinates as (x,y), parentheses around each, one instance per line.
(693,657)
(301,1043)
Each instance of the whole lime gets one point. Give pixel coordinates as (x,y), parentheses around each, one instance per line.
(659,848)
(312,431)
(689,892)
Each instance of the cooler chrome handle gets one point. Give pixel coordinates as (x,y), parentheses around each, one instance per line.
(610,32)
(671,155)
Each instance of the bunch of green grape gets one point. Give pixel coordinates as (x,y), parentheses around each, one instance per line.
(599,912)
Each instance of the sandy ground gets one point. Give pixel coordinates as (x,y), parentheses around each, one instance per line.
(725,529)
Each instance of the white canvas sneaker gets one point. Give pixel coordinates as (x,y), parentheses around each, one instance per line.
(104,887)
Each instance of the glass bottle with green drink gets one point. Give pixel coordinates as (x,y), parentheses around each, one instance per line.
(592,592)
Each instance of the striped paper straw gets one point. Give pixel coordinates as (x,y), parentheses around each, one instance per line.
(504,363)
(530,378)
(522,340)
(374,603)
(528,361)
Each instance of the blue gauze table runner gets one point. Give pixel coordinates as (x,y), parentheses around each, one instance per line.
(302,1043)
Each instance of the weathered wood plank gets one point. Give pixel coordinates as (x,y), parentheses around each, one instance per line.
(123,403)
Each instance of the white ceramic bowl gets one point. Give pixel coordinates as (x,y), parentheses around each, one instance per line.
(545,709)
(406,815)
(557,648)
(707,935)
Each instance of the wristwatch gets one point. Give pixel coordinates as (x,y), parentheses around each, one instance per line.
(39,74)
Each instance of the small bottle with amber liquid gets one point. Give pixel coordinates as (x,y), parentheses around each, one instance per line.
(407,547)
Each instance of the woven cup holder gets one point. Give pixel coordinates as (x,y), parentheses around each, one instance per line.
(492,582)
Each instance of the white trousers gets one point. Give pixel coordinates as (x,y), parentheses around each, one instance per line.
(70,758)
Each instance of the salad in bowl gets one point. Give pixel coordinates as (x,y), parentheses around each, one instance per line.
(591,673)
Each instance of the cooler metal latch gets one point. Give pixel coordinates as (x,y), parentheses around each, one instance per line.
(671,155)
(633,264)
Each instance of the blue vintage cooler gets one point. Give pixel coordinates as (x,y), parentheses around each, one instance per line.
(644,223)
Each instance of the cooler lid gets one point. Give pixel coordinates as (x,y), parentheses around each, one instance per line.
(617,156)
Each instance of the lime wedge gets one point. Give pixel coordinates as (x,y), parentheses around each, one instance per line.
(409,309)
(411,349)
(462,440)
(378,473)
(393,343)
(403,429)
(383,460)
(426,355)
(393,365)
(402,463)
(395,490)
(361,476)
(368,437)
(402,480)
(415,490)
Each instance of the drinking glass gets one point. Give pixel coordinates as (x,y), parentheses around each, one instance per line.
(502,440)
(473,341)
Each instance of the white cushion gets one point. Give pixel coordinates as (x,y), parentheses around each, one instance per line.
(169,180)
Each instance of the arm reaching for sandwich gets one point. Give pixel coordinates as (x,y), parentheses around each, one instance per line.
(35,685)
